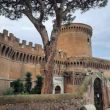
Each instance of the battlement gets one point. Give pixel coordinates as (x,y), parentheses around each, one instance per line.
(77,27)
(5,36)
(12,48)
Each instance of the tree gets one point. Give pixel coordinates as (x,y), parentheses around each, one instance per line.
(28,82)
(38,11)
(38,85)
(17,86)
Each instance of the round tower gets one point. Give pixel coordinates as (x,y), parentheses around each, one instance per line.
(75,40)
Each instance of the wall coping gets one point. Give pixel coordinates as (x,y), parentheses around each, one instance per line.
(37,98)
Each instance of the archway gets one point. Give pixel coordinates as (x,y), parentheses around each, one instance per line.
(57,90)
(88,107)
(83,108)
(98,100)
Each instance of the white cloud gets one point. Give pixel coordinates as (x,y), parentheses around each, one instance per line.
(99,19)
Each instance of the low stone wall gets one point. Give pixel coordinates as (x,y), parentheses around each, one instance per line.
(41,102)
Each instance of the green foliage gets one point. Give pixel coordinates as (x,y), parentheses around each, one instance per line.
(9,91)
(28,82)
(17,86)
(42,9)
(38,86)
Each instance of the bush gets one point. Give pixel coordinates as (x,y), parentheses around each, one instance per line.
(9,91)
(38,87)
(28,82)
(17,86)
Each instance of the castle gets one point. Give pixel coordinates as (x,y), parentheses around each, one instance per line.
(72,63)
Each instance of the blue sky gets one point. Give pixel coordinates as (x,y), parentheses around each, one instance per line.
(98,18)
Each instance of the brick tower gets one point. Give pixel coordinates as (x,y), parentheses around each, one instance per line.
(75,40)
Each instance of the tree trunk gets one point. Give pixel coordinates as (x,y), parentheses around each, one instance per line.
(48,71)
(50,52)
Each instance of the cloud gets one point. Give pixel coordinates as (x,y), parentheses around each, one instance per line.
(98,18)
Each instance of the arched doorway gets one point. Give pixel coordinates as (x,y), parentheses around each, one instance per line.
(83,108)
(57,90)
(98,100)
(88,107)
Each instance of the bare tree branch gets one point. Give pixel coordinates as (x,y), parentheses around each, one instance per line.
(39,26)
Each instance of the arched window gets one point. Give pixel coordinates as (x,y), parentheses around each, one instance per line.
(40,59)
(57,90)
(31,58)
(98,100)
(7,50)
(27,58)
(3,49)
(21,56)
(24,57)
(10,51)
(17,55)
(13,56)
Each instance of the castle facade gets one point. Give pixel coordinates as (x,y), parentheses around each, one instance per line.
(72,63)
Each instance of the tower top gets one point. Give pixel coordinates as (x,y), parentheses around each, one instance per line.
(77,27)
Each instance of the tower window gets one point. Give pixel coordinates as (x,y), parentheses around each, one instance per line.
(88,40)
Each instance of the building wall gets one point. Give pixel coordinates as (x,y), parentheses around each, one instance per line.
(16,59)
(75,40)
(12,70)
(74,55)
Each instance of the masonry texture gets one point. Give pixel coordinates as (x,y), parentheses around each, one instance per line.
(42,102)
(73,63)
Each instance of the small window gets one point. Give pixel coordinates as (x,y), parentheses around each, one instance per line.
(11,84)
(88,40)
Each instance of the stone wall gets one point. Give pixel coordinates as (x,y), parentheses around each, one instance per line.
(41,102)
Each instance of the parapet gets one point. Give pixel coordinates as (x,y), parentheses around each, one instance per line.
(38,46)
(78,27)
(5,32)
(10,40)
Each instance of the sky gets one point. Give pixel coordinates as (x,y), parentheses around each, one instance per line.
(98,18)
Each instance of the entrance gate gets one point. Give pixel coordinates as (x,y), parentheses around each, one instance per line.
(98,94)
(57,90)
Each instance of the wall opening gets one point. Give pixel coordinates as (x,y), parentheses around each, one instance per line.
(57,90)
(98,100)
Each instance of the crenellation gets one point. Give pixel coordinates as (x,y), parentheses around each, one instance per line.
(30,44)
(1,34)
(5,32)
(38,47)
(24,42)
(12,38)
(11,35)
(17,40)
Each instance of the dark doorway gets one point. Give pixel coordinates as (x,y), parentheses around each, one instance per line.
(98,100)
(83,108)
(57,90)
